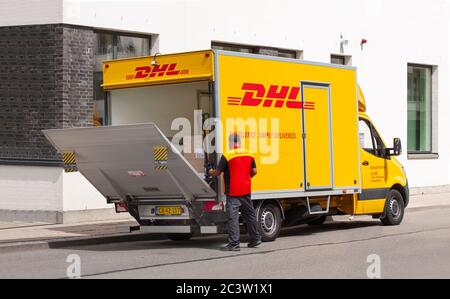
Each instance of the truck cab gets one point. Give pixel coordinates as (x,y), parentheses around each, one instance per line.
(385,192)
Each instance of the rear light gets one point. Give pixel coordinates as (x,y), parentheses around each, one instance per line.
(209,206)
(121,207)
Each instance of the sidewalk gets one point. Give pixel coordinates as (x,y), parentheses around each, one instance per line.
(421,201)
(21,232)
(24,236)
(16,236)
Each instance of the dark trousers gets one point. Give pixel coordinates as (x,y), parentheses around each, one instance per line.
(234,203)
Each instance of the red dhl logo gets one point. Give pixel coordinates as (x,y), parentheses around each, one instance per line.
(276,96)
(142,72)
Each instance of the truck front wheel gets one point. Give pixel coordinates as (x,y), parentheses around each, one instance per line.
(269,222)
(394,208)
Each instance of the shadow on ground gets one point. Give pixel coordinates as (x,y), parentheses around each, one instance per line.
(214,242)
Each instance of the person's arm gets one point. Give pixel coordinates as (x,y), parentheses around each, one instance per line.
(253,171)
(220,168)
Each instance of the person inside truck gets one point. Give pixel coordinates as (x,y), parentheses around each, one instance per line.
(238,167)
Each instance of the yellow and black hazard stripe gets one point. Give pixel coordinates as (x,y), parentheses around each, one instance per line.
(69,162)
(160,167)
(160,153)
(160,156)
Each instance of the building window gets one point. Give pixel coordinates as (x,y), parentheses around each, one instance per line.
(109,46)
(420,109)
(341,59)
(232,47)
(286,53)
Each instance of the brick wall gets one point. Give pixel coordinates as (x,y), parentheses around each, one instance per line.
(45,82)
(77,73)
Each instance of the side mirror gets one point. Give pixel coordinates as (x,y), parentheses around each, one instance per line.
(397,147)
(396,150)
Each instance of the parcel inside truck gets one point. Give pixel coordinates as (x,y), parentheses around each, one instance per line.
(170,118)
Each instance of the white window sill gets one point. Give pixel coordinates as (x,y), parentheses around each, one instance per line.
(423,156)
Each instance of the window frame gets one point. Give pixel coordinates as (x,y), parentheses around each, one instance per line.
(115,34)
(346,59)
(414,154)
(255,49)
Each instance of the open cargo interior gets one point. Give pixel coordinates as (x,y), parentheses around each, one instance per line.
(168,106)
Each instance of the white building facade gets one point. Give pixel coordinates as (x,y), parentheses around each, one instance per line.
(400,48)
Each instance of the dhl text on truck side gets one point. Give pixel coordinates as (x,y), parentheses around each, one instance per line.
(317,151)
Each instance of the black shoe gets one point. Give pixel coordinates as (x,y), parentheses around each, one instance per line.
(254,244)
(231,247)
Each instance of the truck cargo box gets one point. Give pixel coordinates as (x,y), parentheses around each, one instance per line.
(317,112)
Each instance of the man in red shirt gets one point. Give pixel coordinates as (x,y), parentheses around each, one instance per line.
(238,167)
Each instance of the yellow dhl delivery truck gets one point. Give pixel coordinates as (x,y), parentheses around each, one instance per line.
(168,121)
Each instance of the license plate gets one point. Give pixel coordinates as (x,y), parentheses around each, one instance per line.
(169,211)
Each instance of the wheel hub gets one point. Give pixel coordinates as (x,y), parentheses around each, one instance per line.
(268,221)
(395,207)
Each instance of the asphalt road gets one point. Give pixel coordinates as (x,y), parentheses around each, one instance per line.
(343,248)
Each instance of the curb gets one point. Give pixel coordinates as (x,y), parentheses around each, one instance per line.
(78,241)
(422,208)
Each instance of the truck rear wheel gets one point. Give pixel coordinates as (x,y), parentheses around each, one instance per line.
(179,237)
(269,222)
(394,208)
